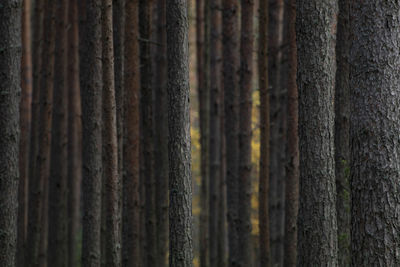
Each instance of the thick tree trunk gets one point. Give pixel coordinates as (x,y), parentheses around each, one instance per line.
(58,180)
(91,94)
(342,132)
(292,178)
(180,178)
(10,79)
(374,132)
(316,36)
(263,197)
(131,208)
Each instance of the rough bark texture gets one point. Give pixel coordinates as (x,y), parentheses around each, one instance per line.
(74,138)
(180,178)
(316,36)
(91,94)
(230,30)
(161,136)
(215,131)
(374,128)
(10,80)
(58,180)
(342,132)
(292,170)
(25,122)
(110,143)
(131,208)
(263,194)
(37,210)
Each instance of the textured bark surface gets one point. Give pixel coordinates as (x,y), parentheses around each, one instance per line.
(263,194)
(245,131)
(110,142)
(58,179)
(374,128)
(91,94)
(292,170)
(230,40)
(10,80)
(131,208)
(316,36)
(342,132)
(161,136)
(180,177)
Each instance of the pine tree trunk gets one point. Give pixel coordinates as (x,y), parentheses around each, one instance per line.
(91,94)
(316,36)
(58,180)
(374,132)
(10,79)
(131,208)
(180,179)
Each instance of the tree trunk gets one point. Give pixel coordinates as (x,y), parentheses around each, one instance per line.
(374,128)
(10,79)
(316,36)
(91,94)
(230,30)
(342,132)
(58,180)
(292,178)
(180,179)
(131,208)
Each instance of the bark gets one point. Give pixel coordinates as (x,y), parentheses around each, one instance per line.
(180,179)
(264,185)
(37,228)
(292,178)
(10,79)
(91,95)
(215,131)
(110,141)
(74,138)
(131,208)
(25,122)
(58,180)
(374,127)
(161,136)
(316,36)
(230,29)
(342,132)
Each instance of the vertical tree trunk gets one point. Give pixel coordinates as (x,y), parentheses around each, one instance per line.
(161,136)
(58,180)
(91,93)
(342,132)
(180,179)
(10,79)
(230,15)
(37,210)
(131,208)
(316,36)
(374,128)
(74,138)
(25,122)
(292,178)
(264,185)
(110,142)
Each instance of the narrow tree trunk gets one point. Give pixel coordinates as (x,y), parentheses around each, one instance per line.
(292,178)
(180,179)
(342,132)
(58,180)
(374,128)
(131,208)
(10,79)
(91,93)
(316,36)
